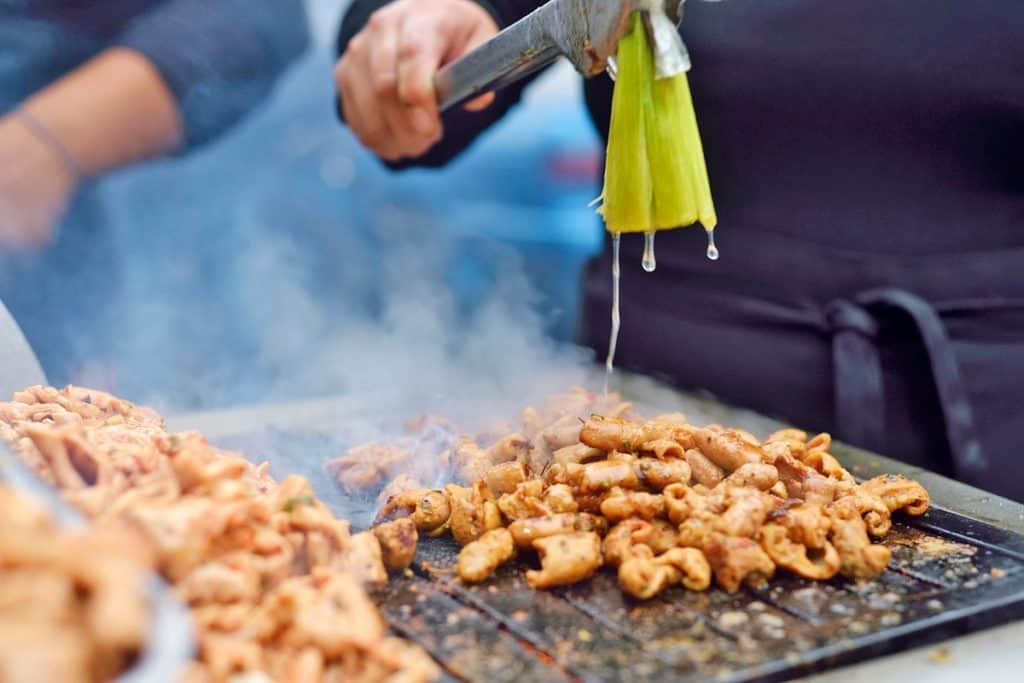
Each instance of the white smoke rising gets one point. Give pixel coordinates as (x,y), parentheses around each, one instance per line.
(471,363)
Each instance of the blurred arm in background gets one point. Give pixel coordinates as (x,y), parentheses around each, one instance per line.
(390,51)
(177,75)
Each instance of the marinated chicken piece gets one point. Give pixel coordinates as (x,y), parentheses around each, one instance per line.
(565,559)
(663,536)
(694,567)
(397,543)
(214,582)
(72,606)
(563,432)
(684,502)
(618,544)
(560,498)
(526,531)
(577,453)
(759,475)
(364,561)
(642,577)
(873,510)
(365,467)
(526,501)
(570,474)
(474,512)
(429,509)
(729,448)
(400,484)
(804,482)
(806,524)
(479,559)
(898,493)
(90,404)
(509,448)
(736,561)
(789,435)
(664,449)
(616,434)
(504,478)
(826,464)
(747,509)
(819,443)
(470,460)
(645,574)
(819,563)
(620,504)
(703,470)
(67,455)
(657,474)
(602,476)
(859,558)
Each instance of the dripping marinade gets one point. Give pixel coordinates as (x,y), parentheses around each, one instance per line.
(655,174)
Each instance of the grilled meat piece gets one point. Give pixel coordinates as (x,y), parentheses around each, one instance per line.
(898,493)
(397,543)
(566,559)
(526,531)
(479,559)
(859,557)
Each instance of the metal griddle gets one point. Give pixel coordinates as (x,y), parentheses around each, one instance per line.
(958,569)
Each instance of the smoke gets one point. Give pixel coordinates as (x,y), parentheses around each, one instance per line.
(419,340)
(284,263)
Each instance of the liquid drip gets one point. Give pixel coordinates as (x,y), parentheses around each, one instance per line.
(649,263)
(609,362)
(712,249)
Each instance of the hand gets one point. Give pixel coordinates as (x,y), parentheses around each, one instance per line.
(35,188)
(386,76)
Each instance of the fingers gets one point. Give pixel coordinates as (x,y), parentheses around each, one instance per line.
(386,76)
(357,99)
(401,136)
(368,79)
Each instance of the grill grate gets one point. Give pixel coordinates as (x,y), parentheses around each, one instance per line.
(936,586)
(950,574)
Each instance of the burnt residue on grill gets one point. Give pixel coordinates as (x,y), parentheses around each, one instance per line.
(936,586)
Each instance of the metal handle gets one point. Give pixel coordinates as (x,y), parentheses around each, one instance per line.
(520,50)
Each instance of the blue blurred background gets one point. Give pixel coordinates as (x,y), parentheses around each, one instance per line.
(289,204)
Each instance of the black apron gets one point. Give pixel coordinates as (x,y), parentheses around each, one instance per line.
(867,161)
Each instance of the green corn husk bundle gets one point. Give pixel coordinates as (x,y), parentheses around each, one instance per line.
(655,174)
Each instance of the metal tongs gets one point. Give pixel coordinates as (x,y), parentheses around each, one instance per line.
(587,32)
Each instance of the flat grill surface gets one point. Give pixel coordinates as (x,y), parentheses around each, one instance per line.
(949,575)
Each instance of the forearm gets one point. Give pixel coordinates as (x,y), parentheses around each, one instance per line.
(112,111)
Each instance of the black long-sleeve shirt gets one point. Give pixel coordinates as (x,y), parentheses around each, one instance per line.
(867,164)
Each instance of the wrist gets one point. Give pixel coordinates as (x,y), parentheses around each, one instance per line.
(21,148)
(54,146)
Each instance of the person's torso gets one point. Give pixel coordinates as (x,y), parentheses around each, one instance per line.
(882,127)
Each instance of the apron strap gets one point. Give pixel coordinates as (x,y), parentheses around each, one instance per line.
(857,369)
(859,396)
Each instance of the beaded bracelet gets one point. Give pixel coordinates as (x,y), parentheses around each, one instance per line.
(43,134)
